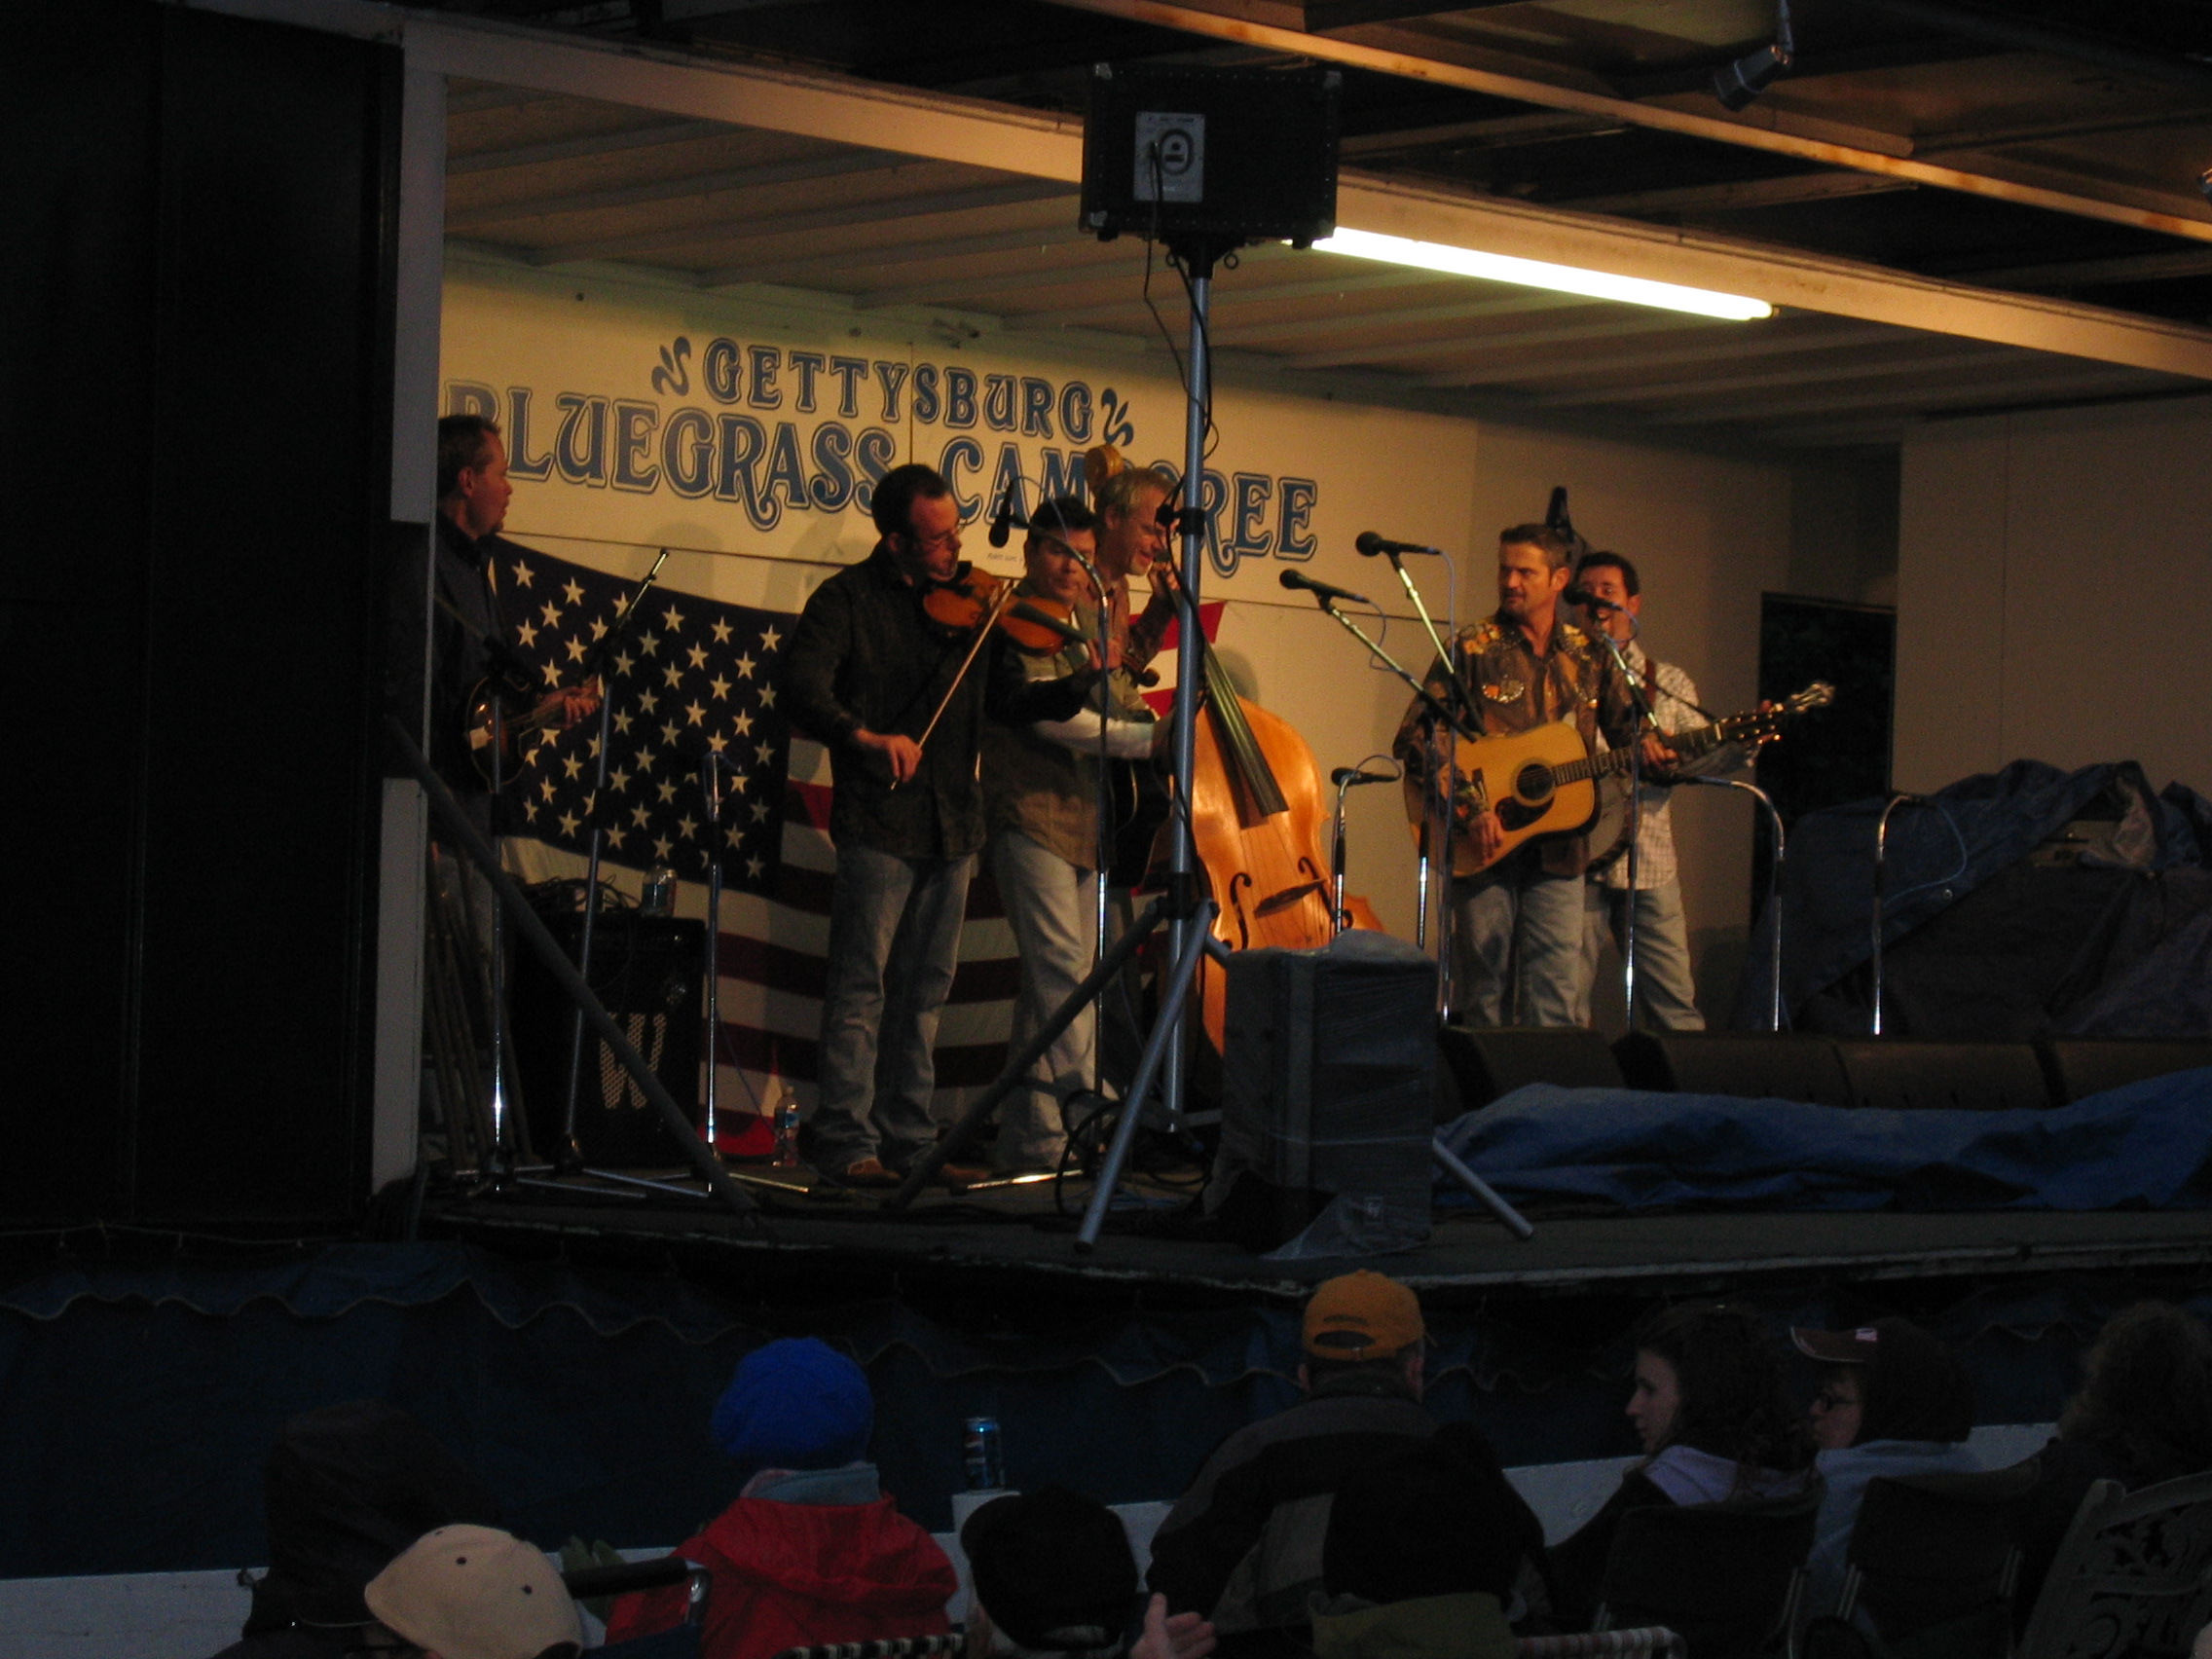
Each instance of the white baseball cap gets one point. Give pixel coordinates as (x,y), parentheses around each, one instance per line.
(467,1592)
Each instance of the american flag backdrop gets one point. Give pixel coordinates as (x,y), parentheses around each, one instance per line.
(697,676)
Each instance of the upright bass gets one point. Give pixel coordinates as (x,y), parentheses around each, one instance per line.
(1257,819)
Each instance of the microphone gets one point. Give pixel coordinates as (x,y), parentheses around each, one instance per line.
(1577,594)
(1299,581)
(1370,544)
(1351,777)
(1004,518)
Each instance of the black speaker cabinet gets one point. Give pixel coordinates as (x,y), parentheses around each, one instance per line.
(1328,1072)
(1225,156)
(647,971)
(1975,1077)
(1750,1065)
(2081,1066)
(1482,1062)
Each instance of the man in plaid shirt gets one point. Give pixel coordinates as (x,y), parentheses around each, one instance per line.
(1666,994)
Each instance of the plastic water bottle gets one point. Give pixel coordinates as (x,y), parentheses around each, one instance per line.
(984,1454)
(786,1118)
(659,896)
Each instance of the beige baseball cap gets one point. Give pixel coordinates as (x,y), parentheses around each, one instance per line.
(475,1593)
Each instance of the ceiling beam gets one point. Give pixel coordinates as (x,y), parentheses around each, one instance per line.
(1770,340)
(1760,127)
(750,228)
(1805,374)
(660,134)
(950,289)
(1041,146)
(839,164)
(2091,273)
(1499,132)
(1324,15)
(1622,322)
(1782,276)
(2039,382)
(1743,195)
(2022,34)
(1259,335)
(881,256)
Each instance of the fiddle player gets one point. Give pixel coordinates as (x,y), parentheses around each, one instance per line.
(1518,921)
(864,670)
(1041,800)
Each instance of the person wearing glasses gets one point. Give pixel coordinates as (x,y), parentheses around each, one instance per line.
(864,670)
(1040,799)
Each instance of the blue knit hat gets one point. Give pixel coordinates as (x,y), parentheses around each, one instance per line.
(797,1404)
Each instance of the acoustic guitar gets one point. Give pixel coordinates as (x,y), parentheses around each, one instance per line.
(1544,781)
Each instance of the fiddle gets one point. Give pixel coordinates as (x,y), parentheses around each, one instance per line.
(973,597)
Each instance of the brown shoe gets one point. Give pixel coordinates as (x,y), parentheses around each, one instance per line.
(959,1175)
(868,1172)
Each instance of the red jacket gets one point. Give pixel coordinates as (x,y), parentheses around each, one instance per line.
(792,1574)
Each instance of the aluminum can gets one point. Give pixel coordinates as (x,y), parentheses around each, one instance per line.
(986,1455)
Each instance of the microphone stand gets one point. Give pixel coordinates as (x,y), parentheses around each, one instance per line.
(1436,827)
(1772,886)
(567,1156)
(1346,778)
(1647,721)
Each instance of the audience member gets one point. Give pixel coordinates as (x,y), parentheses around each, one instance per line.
(1047,1573)
(1052,1574)
(1421,1556)
(1244,1545)
(344,1490)
(476,1593)
(2144,1414)
(1892,1400)
(1711,1407)
(811,1551)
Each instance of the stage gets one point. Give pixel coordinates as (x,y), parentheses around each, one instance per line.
(1007,1240)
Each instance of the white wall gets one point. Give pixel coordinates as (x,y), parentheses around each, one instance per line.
(2050,583)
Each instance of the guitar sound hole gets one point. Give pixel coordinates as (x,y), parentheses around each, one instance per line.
(1533,782)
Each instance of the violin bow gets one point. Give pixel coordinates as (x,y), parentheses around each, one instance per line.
(999,602)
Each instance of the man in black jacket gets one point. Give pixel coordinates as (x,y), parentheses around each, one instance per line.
(865,670)
(1244,1545)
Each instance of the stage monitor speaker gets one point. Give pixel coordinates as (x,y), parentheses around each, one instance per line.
(1751,1065)
(2078,1067)
(1484,1062)
(1328,1071)
(1182,153)
(1974,1077)
(645,970)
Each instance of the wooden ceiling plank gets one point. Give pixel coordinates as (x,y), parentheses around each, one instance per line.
(1754,129)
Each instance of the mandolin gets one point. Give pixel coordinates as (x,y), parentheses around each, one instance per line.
(1544,781)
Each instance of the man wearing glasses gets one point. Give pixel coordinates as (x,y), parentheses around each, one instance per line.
(1041,801)
(863,671)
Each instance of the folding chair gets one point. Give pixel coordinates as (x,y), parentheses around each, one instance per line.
(1725,1577)
(588,1583)
(2133,1576)
(1651,1639)
(1933,1562)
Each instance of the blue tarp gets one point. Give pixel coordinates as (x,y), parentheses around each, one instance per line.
(2147,1146)
(1938,855)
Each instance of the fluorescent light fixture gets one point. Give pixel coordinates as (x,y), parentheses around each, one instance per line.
(1536,274)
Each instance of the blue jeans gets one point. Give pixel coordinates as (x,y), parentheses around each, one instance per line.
(1518,952)
(1666,993)
(893,941)
(1052,906)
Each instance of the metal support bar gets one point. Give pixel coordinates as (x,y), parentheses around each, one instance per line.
(1018,1064)
(565,974)
(1197,936)
(1485,1193)
(1773,885)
